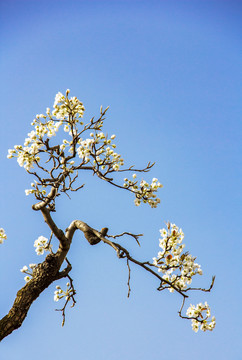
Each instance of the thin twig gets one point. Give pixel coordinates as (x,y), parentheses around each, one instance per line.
(127,233)
(128,283)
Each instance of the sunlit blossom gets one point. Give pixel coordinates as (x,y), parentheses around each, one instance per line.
(3,236)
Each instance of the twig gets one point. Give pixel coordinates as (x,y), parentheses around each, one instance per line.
(128,283)
(127,233)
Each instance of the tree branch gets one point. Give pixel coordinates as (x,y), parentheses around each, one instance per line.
(40,205)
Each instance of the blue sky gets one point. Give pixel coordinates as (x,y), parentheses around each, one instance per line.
(170,71)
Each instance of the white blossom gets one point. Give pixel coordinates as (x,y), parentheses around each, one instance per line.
(24,268)
(28,271)
(201,316)
(41,245)
(32,266)
(59,293)
(145,192)
(3,236)
(178,267)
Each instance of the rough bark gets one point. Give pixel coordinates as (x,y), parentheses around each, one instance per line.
(43,275)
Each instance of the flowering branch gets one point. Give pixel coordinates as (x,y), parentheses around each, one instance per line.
(69,294)
(55,164)
(55,167)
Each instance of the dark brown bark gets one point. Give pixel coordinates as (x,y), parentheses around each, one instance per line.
(43,275)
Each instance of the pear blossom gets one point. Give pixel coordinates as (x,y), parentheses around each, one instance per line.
(178,267)
(3,236)
(24,268)
(41,245)
(28,271)
(201,317)
(67,294)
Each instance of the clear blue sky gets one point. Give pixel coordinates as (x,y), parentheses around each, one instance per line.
(170,71)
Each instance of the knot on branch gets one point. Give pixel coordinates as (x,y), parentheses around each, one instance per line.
(92,238)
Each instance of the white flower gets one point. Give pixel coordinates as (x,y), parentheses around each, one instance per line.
(59,98)
(163,232)
(28,191)
(59,293)
(56,297)
(155,261)
(201,319)
(41,245)
(32,266)
(116,167)
(3,236)
(195,325)
(24,268)
(137,202)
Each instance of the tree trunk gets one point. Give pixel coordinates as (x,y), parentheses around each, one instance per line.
(43,275)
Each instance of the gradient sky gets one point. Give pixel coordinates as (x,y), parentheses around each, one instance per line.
(170,71)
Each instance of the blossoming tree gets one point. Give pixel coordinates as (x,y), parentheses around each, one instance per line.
(55,168)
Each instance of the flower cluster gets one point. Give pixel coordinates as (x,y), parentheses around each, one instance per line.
(27,271)
(64,107)
(65,110)
(3,236)
(178,268)
(201,315)
(59,293)
(105,157)
(85,149)
(144,191)
(41,245)
(97,150)
(42,128)
(26,156)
